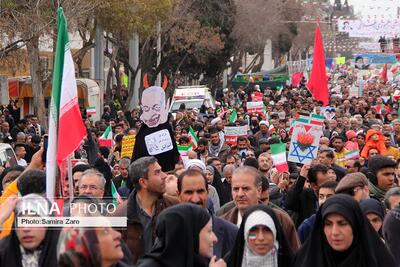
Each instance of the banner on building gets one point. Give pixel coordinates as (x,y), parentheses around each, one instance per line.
(367,59)
(370,28)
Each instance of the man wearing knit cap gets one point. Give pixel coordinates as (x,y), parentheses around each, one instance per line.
(381,176)
(355,185)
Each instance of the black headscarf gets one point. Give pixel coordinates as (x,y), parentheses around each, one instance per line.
(177,242)
(223,194)
(285,254)
(367,249)
(10,251)
(371,205)
(105,169)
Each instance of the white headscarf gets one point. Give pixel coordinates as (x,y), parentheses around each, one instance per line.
(250,258)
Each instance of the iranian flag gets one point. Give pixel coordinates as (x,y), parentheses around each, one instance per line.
(278,154)
(116,198)
(353,154)
(183,152)
(107,138)
(66,128)
(91,111)
(193,137)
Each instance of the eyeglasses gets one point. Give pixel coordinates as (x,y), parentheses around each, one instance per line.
(91,187)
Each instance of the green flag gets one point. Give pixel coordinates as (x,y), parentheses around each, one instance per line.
(233,116)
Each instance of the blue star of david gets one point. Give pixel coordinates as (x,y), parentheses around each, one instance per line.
(296,153)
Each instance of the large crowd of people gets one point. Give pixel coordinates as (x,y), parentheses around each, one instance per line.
(222,204)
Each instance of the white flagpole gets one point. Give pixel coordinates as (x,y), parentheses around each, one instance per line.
(70,178)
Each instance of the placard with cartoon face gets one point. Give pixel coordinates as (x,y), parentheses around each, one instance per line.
(155,110)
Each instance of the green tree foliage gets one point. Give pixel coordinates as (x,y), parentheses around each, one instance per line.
(196,38)
(127,16)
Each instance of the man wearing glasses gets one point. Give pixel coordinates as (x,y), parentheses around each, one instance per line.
(92,183)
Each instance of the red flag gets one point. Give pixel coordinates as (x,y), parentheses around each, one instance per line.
(296,79)
(384,74)
(318,83)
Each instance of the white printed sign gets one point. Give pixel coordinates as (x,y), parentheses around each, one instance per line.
(158,142)
(255,107)
(232,133)
(354,91)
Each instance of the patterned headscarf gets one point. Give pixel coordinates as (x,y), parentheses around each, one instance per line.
(78,245)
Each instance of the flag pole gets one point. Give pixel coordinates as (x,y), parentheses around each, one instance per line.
(70,179)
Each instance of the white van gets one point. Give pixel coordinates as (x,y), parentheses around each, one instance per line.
(95,96)
(192,97)
(7,155)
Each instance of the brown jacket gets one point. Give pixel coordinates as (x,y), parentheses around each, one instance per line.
(286,222)
(132,235)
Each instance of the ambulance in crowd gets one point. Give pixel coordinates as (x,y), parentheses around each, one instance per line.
(192,97)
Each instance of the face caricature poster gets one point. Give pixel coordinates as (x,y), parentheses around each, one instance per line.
(155,136)
(305,139)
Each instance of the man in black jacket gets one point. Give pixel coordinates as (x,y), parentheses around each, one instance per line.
(192,188)
(327,157)
(302,199)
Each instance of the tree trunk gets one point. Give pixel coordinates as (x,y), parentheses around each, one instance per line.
(112,58)
(37,77)
(78,63)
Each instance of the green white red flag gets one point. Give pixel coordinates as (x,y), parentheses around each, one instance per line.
(278,154)
(353,154)
(107,138)
(66,128)
(193,138)
(91,111)
(183,152)
(116,198)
